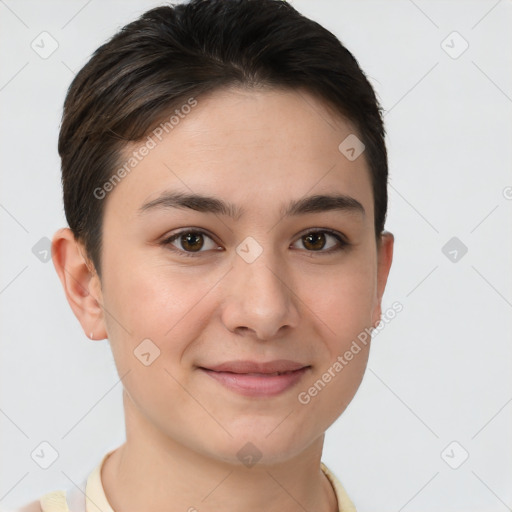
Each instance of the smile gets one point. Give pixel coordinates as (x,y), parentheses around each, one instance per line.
(257,379)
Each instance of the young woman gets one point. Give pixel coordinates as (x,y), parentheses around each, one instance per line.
(224,173)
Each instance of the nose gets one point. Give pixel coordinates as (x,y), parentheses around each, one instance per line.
(260,299)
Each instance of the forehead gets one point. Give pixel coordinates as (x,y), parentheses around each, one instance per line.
(253,146)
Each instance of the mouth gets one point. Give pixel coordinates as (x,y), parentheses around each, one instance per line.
(251,378)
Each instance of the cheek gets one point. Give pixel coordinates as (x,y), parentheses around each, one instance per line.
(343,312)
(169,308)
(153,301)
(341,304)
(152,316)
(342,301)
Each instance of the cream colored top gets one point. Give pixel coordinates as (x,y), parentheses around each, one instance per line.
(96,501)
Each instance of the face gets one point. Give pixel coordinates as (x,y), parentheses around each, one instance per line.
(244,309)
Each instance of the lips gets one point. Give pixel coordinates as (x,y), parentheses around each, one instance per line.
(278,366)
(263,379)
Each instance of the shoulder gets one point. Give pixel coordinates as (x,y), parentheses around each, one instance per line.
(33,506)
(50,502)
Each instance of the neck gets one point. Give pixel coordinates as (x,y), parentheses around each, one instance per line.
(153,472)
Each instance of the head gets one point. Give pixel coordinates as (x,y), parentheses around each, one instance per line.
(219,210)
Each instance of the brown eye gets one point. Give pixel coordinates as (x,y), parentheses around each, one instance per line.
(189,242)
(192,241)
(314,241)
(319,241)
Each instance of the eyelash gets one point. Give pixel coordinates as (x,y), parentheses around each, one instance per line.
(343,244)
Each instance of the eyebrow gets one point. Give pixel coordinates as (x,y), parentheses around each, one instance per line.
(208,204)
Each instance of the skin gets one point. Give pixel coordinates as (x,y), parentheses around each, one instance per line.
(260,150)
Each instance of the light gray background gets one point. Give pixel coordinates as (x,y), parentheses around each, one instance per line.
(439,372)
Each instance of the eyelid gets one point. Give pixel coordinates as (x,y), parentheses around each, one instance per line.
(336,234)
(343,243)
(167,241)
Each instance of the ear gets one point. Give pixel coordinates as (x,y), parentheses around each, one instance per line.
(80,281)
(384,259)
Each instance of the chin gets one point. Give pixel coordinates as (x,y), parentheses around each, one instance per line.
(263,441)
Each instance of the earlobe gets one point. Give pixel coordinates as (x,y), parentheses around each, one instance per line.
(384,260)
(80,282)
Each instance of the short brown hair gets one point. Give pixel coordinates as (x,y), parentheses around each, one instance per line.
(172,53)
